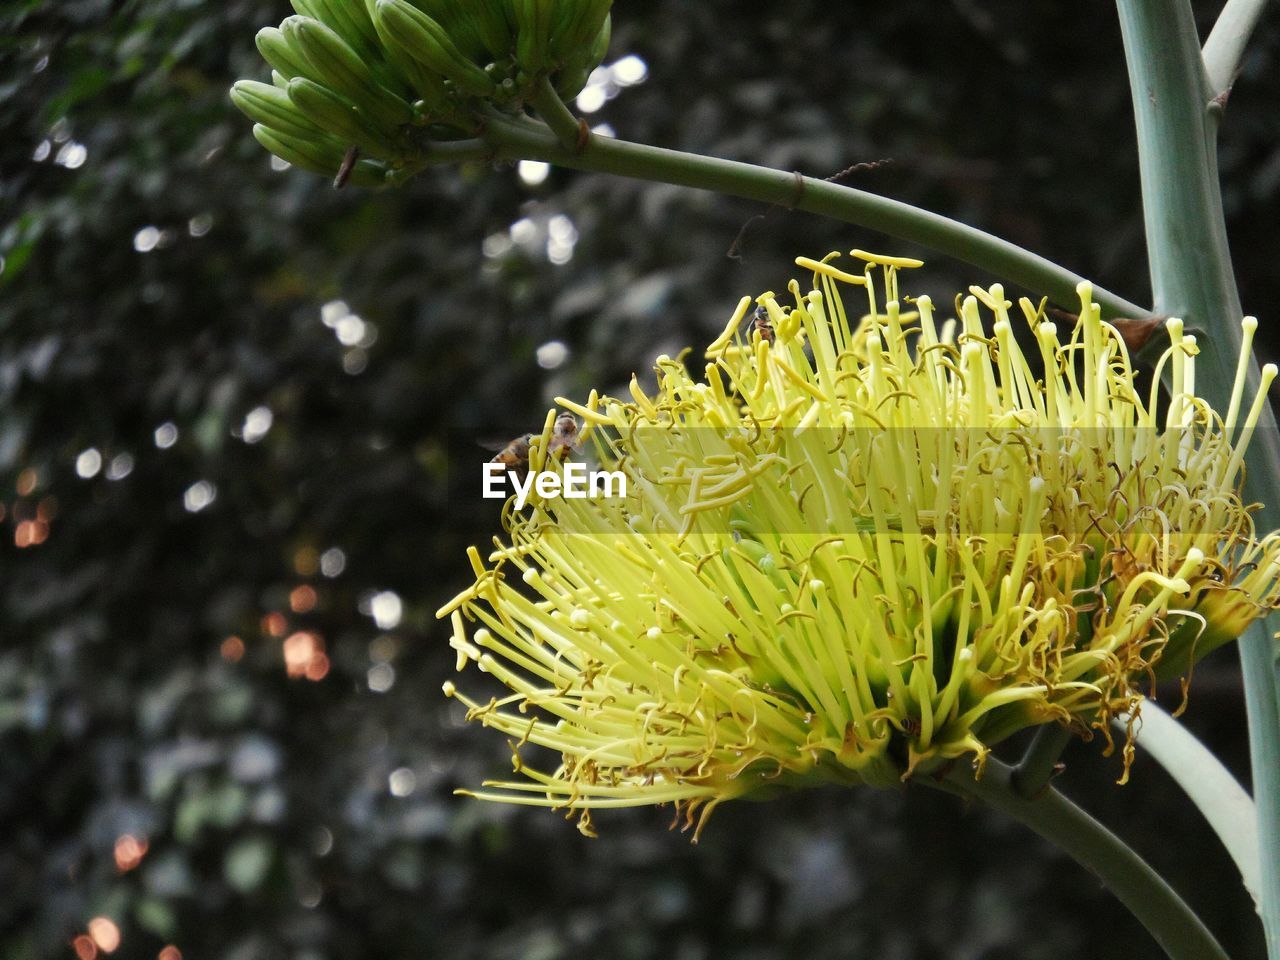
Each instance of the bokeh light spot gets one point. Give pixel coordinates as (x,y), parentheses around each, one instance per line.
(166,436)
(232,649)
(274,624)
(88,463)
(533,172)
(332,562)
(146,239)
(552,354)
(199,495)
(105,934)
(129,851)
(386,608)
(302,599)
(402,782)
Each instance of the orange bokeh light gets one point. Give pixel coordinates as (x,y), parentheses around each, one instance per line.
(84,947)
(129,851)
(306,561)
(105,934)
(274,624)
(30,533)
(318,668)
(27,481)
(302,599)
(170,953)
(304,656)
(232,649)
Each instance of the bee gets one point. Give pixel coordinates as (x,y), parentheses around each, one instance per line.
(564,436)
(515,455)
(761,324)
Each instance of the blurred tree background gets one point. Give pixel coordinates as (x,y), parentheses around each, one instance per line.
(238,470)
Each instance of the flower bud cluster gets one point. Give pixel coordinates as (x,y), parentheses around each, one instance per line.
(365,86)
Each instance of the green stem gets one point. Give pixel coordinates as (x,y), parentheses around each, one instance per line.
(521,140)
(1225,46)
(1208,783)
(1192,278)
(1149,898)
(558,117)
(1036,768)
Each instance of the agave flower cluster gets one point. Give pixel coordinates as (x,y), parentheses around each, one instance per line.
(394,80)
(854,550)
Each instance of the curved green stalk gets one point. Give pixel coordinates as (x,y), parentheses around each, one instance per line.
(1151,900)
(516,139)
(1039,764)
(1210,785)
(1192,278)
(1225,47)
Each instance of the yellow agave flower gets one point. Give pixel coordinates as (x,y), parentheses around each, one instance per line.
(855,550)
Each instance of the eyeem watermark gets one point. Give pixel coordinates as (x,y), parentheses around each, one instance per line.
(575,482)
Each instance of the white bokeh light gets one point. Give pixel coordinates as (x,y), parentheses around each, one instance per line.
(533,172)
(592,98)
(88,463)
(120,467)
(166,436)
(332,562)
(386,608)
(402,782)
(72,155)
(552,355)
(256,424)
(146,239)
(199,495)
(381,677)
(629,71)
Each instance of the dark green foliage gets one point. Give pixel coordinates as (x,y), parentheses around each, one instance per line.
(265,799)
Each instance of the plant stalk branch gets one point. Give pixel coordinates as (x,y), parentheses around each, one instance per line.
(557,116)
(1151,900)
(1192,278)
(1037,766)
(1210,785)
(516,139)
(1224,49)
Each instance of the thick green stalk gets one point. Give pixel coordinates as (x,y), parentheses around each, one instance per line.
(1151,900)
(1192,278)
(521,140)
